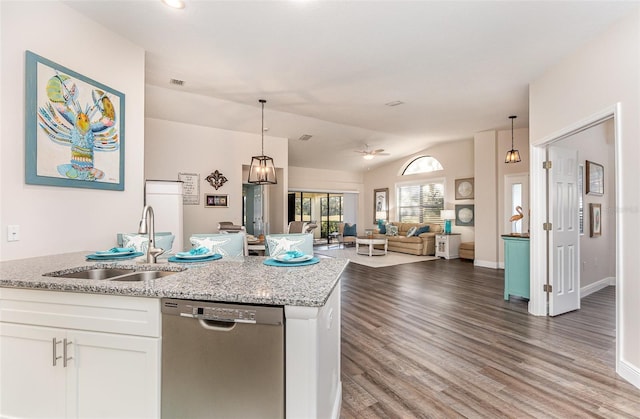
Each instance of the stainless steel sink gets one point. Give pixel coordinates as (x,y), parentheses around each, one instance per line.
(112,274)
(142,275)
(98,273)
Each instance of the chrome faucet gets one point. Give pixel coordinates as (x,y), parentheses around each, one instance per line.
(147,225)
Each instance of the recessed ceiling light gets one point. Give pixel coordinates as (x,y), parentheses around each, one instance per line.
(176,4)
(394,103)
(305,137)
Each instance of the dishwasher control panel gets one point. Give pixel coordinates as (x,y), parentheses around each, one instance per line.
(223,312)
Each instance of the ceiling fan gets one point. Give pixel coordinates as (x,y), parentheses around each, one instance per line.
(369,154)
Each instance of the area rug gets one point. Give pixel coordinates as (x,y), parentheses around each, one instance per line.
(390,259)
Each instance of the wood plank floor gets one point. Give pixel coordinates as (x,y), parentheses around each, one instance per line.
(436,339)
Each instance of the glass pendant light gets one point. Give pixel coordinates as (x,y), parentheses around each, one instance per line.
(262,170)
(513,156)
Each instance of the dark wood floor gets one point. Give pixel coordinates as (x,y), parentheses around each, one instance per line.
(436,339)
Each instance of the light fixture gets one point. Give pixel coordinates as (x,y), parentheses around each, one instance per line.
(447,216)
(262,170)
(513,156)
(368,156)
(175,4)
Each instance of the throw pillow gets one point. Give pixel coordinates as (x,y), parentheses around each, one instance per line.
(423,229)
(230,245)
(382,228)
(392,230)
(350,230)
(412,231)
(140,241)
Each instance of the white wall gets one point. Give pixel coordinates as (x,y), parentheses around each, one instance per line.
(486,198)
(457,159)
(55,219)
(597,254)
(175,147)
(606,71)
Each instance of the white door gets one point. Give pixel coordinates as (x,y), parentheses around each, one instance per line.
(113,376)
(30,386)
(564,238)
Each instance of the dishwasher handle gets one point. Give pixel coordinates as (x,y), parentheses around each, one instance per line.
(217,326)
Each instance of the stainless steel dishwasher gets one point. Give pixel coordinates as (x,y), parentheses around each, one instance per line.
(222,360)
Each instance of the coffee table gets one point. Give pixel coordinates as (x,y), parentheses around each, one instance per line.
(370,242)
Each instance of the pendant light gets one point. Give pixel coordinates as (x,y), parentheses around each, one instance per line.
(513,156)
(262,170)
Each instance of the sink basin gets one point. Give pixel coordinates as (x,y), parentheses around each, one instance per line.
(99,273)
(142,275)
(112,274)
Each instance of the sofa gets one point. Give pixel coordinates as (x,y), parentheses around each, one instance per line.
(424,244)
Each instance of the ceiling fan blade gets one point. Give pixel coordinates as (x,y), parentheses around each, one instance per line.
(378,151)
(361,151)
(383,154)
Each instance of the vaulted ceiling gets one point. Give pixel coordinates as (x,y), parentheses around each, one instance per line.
(328,68)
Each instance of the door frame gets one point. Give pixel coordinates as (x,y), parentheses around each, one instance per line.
(538,302)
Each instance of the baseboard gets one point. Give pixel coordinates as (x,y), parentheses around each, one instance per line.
(597,286)
(629,373)
(337,404)
(485,264)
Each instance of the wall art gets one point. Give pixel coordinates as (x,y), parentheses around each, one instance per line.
(74,128)
(216,201)
(380,205)
(595,178)
(190,188)
(216,179)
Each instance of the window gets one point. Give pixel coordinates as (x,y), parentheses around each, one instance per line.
(421,203)
(424,164)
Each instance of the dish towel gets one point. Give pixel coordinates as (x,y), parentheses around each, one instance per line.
(292,254)
(115,250)
(114,256)
(194,252)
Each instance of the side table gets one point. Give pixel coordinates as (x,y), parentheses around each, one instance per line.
(448,245)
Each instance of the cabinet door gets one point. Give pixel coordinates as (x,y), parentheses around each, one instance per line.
(30,386)
(114,376)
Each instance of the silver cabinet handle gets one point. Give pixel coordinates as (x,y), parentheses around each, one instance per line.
(64,352)
(55,343)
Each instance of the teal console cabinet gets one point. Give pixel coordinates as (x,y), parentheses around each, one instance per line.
(516,266)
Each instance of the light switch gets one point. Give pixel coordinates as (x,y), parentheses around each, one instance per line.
(13,233)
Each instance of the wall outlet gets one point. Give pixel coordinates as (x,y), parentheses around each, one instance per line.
(13,233)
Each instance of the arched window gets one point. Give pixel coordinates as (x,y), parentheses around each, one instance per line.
(424,164)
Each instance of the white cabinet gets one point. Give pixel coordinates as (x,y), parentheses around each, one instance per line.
(448,245)
(105,374)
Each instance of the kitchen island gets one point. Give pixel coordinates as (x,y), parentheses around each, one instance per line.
(35,305)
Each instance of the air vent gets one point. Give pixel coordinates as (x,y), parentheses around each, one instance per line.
(176,82)
(305,137)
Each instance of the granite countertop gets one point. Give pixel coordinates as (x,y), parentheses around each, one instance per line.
(235,280)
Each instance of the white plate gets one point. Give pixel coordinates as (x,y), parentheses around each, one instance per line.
(284,259)
(187,255)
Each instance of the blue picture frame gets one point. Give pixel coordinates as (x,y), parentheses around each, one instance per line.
(74,127)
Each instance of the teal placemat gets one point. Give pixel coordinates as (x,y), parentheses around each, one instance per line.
(215,256)
(273,262)
(114,256)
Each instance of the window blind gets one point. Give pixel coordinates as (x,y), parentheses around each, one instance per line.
(421,203)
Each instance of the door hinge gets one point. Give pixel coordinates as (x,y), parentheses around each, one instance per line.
(547,226)
(546,164)
(547,288)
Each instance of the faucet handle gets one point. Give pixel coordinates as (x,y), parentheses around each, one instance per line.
(156,251)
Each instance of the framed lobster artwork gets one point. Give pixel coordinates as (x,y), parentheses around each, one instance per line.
(74,128)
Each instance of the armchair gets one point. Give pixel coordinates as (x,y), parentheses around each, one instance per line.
(347,233)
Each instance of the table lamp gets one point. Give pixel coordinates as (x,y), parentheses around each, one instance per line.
(447,216)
